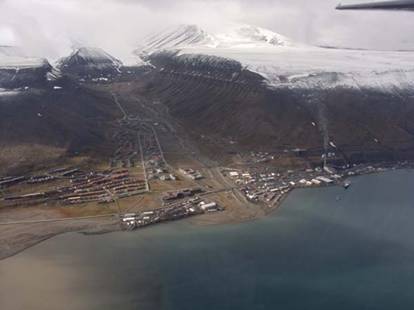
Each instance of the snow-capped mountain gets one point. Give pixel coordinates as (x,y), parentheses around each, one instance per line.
(192,36)
(177,37)
(90,62)
(245,36)
(12,57)
(17,69)
(284,63)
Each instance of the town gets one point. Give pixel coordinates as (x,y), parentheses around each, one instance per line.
(83,187)
(141,188)
(268,186)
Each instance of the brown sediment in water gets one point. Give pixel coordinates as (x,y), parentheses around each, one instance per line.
(17,238)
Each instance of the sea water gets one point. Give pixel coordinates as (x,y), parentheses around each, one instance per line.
(325,248)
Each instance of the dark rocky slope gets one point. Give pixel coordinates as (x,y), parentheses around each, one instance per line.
(88,63)
(217,97)
(35,76)
(73,120)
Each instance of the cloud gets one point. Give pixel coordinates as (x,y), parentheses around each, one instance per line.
(51,27)
(7,36)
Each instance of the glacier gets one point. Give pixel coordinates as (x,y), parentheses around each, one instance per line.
(15,58)
(287,64)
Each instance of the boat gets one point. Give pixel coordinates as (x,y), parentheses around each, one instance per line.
(347,184)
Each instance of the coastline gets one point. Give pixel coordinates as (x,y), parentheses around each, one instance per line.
(41,232)
(38,233)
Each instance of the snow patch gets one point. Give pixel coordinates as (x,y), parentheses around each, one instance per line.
(14,58)
(90,56)
(192,36)
(6,92)
(313,67)
(284,63)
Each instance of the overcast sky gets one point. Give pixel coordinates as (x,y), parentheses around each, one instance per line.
(52,27)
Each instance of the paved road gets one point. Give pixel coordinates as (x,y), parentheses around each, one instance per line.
(236,192)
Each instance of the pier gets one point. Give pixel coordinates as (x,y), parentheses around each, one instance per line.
(171,212)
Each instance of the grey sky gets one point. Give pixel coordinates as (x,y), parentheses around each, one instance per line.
(51,27)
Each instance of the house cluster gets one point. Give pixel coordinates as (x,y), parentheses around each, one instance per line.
(180,194)
(267,186)
(103,187)
(48,176)
(127,153)
(157,169)
(171,212)
(39,179)
(155,163)
(259,157)
(84,188)
(10,181)
(191,174)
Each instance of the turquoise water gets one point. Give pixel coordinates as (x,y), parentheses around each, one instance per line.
(324,249)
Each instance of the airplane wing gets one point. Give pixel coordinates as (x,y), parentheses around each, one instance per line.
(407,5)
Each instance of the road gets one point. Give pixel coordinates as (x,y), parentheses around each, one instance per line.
(119,106)
(160,148)
(143,163)
(213,171)
(236,193)
(58,219)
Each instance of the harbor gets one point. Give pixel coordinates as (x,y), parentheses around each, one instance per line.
(268,186)
(285,254)
(170,212)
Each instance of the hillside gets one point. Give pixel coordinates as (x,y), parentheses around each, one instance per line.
(41,125)
(284,63)
(259,96)
(19,70)
(88,62)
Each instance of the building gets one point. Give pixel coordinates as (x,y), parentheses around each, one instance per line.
(325,180)
(192,174)
(209,207)
(316,182)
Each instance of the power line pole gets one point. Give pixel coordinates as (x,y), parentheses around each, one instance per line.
(116,201)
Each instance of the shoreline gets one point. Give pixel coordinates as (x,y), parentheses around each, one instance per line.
(98,226)
(32,239)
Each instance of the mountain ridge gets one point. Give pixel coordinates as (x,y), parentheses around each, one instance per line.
(284,63)
(90,62)
(188,36)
